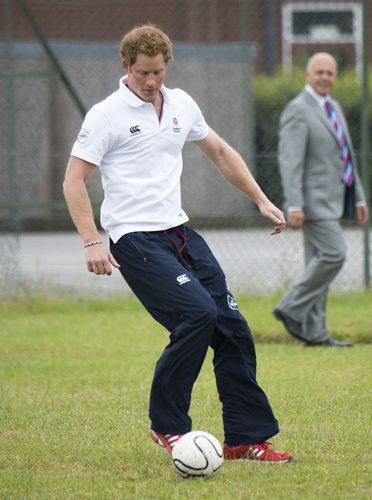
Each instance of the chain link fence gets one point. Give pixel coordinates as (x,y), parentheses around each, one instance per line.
(241,60)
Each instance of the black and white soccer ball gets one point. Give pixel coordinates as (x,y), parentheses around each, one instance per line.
(197,454)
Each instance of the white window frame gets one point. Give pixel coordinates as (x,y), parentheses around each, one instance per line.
(289,39)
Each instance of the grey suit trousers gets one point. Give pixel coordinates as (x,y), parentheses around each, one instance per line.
(305,302)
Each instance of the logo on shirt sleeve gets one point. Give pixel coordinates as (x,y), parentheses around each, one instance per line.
(83,135)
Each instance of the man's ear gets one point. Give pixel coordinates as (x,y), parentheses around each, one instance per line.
(125,65)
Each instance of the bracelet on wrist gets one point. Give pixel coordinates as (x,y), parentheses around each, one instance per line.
(92,243)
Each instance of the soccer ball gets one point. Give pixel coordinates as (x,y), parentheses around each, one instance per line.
(197,454)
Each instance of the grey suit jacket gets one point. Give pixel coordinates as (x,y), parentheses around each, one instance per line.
(310,161)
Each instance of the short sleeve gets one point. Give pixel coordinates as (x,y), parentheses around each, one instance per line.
(95,139)
(199,127)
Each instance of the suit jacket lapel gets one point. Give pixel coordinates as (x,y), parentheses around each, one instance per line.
(320,114)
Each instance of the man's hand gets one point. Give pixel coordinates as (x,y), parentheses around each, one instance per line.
(99,260)
(296,219)
(362,214)
(270,211)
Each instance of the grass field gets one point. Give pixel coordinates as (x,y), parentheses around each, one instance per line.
(74,383)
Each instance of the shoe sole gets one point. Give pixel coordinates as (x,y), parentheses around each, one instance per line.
(261,461)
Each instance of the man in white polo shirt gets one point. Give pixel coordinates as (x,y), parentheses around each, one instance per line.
(135,137)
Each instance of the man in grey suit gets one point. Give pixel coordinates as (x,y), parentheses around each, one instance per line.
(320,182)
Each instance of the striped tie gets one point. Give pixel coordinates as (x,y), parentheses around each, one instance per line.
(348,176)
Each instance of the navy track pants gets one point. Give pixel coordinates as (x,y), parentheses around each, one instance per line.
(179,281)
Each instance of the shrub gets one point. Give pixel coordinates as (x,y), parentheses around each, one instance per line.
(271,94)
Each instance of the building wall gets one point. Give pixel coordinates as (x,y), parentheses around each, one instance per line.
(258,22)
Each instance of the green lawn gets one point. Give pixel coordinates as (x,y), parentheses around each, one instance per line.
(74,383)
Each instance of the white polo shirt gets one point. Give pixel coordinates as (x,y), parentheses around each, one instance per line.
(139,157)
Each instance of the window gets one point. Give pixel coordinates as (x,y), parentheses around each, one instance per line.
(313,23)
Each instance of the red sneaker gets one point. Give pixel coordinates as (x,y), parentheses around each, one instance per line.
(165,440)
(260,451)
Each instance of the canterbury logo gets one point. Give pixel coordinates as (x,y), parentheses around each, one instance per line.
(182,279)
(135,129)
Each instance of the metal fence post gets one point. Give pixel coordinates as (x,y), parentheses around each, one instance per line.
(52,57)
(364,142)
(10,243)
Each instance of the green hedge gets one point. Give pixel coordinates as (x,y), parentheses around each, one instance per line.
(271,94)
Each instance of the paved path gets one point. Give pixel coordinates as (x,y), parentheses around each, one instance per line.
(254,262)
